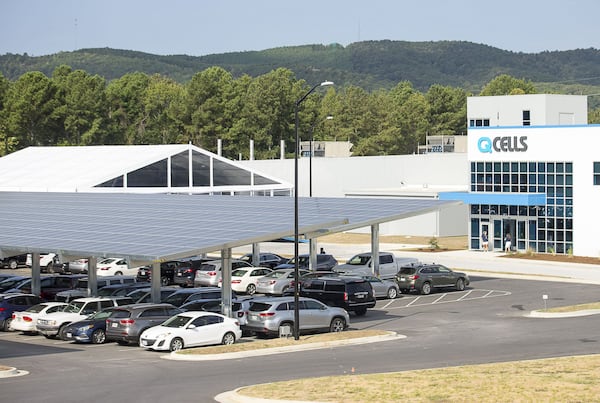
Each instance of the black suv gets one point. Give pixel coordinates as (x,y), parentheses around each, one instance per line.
(425,277)
(167,272)
(266,259)
(324,262)
(351,293)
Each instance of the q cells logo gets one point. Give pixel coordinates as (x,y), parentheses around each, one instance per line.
(502,144)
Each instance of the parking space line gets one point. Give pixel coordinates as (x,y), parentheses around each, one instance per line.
(441,297)
(464,296)
(468,295)
(413,301)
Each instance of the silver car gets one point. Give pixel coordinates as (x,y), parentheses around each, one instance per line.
(383,288)
(209,273)
(273,316)
(277,282)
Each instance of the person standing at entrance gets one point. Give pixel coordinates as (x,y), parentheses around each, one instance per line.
(507,243)
(484,241)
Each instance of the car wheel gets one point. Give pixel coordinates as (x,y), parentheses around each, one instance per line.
(337,325)
(13,264)
(99,336)
(251,289)
(426,288)
(392,293)
(50,268)
(360,311)
(61,331)
(6,324)
(460,284)
(118,273)
(164,281)
(228,338)
(176,344)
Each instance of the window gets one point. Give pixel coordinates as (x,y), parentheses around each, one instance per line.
(526,118)
(479,122)
(596,173)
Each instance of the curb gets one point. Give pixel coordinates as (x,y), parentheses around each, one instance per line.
(557,315)
(234,397)
(8,372)
(279,350)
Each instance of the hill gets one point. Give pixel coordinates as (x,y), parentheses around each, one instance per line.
(370,65)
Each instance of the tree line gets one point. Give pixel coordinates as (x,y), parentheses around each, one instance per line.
(73,107)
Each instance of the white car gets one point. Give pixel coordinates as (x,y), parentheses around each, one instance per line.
(115,266)
(25,321)
(190,329)
(244,280)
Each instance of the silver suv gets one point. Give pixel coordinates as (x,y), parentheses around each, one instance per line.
(273,316)
(209,273)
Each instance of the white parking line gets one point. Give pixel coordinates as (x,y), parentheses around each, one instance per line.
(464,296)
(469,295)
(441,296)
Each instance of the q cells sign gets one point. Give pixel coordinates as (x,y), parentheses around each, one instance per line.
(502,144)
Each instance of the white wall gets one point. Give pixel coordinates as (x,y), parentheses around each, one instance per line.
(384,176)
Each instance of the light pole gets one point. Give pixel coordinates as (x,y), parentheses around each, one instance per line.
(296,226)
(312,129)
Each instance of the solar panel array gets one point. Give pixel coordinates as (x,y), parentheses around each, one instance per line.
(155,227)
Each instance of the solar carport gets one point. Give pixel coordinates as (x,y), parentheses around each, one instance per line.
(152,228)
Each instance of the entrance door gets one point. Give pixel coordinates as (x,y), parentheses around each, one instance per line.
(484,226)
(521,238)
(509,227)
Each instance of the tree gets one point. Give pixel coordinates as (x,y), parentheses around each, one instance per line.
(4,138)
(125,98)
(31,111)
(447,110)
(507,85)
(164,107)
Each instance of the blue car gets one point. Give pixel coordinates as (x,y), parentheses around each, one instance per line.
(90,330)
(10,303)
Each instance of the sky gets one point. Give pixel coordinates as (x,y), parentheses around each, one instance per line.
(202,27)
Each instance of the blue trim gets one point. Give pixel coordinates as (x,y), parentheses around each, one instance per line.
(510,199)
(530,127)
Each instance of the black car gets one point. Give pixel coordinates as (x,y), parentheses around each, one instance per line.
(351,293)
(425,277)
(266,259)
(13,262)
(167,272)
(325,261)
(51,285)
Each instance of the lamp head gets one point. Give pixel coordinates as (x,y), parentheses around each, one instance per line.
(326,83)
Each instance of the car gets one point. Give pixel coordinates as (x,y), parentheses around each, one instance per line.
(24,321)
(13,262)
(89,330)
(12,282)
(182,296)
(424,278)
(244,280)
(78,266)
(53,324)
(10,303)
(275,316)
(125,324)
(6,276)
(81,290)
(49,285)
(186,271)
(266,259)
(167,272)
(119,290)
(354,294)
(325,261)
(49,262)
(383,288)
(142,295)
(115,266)
(277,282)
(209,273)
(191,329)
(309,275)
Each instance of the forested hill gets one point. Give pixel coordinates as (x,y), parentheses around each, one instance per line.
(369,65)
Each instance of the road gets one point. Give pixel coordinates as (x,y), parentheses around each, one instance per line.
(487,323)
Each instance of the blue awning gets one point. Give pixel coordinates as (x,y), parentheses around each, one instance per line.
(510,199)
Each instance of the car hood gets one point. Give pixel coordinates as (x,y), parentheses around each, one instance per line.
(156,331)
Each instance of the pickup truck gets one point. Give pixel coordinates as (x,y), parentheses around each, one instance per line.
(362,265)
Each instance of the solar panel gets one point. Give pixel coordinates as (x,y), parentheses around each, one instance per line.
(155,227)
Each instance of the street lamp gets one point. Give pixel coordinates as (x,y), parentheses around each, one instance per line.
(312,129)
(296,226)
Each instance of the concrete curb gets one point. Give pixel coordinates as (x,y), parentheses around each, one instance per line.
(279,350)
(234,397)
(557,315)
(8,372)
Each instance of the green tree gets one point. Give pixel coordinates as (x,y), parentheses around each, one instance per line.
(31,111)
(447,110)
(125,97)
(164,107)
(508,85)
(4,138)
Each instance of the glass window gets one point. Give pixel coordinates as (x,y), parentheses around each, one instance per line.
(480,167)
(226,174)
(532,167)
(200,169)
(112,183)
(153,175)
(541,167)
(596,173)
(505,167)
(180,175)
(550,167)
(514,166)
(497,167)
(523,167)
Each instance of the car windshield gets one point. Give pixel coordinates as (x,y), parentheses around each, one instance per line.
(107,261)
(207,267)
(101,314)
(36,308)
(74,307)
(359,260)
(177,321)
(259,306)
(277,274)
(407,270)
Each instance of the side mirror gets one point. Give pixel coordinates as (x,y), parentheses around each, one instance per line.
(192,326)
